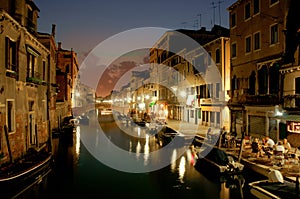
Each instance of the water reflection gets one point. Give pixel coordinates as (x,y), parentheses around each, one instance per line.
(138,149)
(77,142)
(77,174)
(146,150)
(181,169)
(173,160)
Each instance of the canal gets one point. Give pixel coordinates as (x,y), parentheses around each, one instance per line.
(78,171)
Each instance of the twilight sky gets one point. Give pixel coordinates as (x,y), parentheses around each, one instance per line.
(82,25)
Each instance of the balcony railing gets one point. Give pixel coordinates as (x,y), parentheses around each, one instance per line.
(243,97)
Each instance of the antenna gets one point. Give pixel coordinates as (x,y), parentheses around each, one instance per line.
(213,7)
(199,15)
(219,4)
(196,24)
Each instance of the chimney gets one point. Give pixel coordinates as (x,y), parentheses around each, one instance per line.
(59,45)
(53,30)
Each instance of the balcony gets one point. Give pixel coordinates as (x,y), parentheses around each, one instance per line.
(243,97)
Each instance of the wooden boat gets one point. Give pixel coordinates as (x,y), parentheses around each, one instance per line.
(17,177)
(217,161)
(166,135)
(274,188)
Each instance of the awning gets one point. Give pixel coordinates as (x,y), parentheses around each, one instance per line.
(152,103)
(291,118)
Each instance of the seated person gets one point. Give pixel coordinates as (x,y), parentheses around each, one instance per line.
(286,145)
(279,149)
(256,148)
(269,144)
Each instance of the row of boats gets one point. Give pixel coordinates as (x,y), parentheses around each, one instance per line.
(216,161)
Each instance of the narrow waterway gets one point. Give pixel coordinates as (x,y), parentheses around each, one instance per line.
(78,174)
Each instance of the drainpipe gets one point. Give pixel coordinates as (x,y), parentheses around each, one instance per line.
(48,104)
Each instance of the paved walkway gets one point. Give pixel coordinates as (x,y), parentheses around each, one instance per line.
(259,165)
(189,128)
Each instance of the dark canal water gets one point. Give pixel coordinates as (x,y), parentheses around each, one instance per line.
(78,174)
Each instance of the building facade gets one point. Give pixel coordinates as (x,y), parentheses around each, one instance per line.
(24,80)
(257,45)
(184,76)
(66,75)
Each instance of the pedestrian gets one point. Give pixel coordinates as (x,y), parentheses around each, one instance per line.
(208,134)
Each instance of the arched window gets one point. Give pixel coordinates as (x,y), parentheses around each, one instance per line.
(252,80)
(263,80)
(274,78)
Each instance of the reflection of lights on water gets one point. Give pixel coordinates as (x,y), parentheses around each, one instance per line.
(146,150)
(181,169)
(77,143)
(173,160)
(139,131)
(130,146)
(138,149)
(224,192)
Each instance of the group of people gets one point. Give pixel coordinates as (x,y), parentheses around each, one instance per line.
(267,146)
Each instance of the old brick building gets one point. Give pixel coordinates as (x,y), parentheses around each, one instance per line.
(66,75)
(24,81)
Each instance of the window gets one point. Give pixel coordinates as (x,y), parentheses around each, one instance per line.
(212,117)
(248,44)
(256,6)
(31,63)
(217,90)
(10,111)
(199,64)
(233,20)
(274,34)
(247,11)
(210,89)
(218,56)
(44,71)
(257,41)
(218,117)
(203,91)
(10,54)
(209,59)
(233,50)
(273,2)
(192,114)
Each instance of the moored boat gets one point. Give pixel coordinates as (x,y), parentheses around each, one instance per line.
(17,177)
(217,161)
(274,188)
